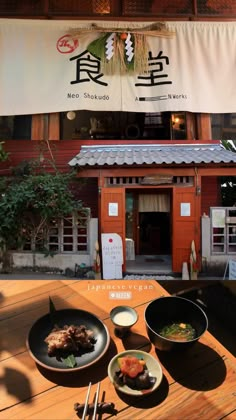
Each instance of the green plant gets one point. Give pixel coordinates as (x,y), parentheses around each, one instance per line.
(3,154)
(27,205)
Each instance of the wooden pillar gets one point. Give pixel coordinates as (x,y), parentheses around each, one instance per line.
(204,127)
(54,126)
(37,127)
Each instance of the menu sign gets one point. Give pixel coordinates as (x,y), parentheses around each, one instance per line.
(112,256)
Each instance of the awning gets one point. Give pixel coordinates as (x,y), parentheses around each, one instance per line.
(152,154)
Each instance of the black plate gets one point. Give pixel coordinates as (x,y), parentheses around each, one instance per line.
(38,349)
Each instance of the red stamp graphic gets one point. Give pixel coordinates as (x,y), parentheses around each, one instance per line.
(66,44)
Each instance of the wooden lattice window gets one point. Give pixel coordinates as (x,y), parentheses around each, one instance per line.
(216,7)
(80,7)
(67,235)
(223,230)
(119,8)
(157,7)
(21,8)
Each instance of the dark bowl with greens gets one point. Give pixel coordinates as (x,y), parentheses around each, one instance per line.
(174,323)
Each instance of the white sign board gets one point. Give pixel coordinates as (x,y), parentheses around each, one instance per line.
(113,209)
(232,269)
(185,209)
(112,256)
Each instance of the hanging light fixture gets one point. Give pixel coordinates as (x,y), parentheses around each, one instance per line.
(70,115)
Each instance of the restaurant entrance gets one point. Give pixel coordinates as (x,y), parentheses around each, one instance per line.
(172,212)
(154,233)
(148,220)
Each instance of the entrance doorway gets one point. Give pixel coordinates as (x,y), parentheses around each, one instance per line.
(149,230)
(154,233)
(148,220)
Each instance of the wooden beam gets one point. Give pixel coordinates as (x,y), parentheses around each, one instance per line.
(217,171)
(135,172)
(37,128)
(191,126)
(204,127)
(176,171)
(54,126)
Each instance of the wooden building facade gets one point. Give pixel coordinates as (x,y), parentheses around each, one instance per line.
(150,178)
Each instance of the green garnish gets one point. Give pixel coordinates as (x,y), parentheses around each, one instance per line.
(178,332)
(70,361)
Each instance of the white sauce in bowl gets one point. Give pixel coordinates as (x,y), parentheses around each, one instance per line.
(123,318)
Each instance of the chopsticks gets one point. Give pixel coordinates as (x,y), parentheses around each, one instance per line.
(87,401)
(96,402)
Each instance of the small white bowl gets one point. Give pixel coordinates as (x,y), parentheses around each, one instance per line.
(153,367)
(123,318)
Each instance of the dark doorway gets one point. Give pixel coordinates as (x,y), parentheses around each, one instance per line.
(154,233)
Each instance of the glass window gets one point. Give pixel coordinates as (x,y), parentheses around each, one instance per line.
(54,7)
(223,230)
(216,7)
(69,234)
(118,8)
(223,126)
(15,127)
(19,7)
(157,7)
(122,125)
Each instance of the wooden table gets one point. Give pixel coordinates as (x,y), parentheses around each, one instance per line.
(200,384)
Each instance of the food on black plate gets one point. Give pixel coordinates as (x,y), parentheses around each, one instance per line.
(134,373)
(69,339)
(178,332)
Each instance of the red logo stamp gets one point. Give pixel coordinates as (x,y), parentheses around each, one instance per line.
(66,44)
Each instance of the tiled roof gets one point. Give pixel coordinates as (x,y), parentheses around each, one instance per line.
(152,154)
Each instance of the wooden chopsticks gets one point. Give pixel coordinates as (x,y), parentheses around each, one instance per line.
(87,401)
(96,402)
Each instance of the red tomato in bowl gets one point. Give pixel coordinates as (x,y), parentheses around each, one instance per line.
(131,366)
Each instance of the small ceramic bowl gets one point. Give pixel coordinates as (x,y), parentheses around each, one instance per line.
(153,366)
(123,318)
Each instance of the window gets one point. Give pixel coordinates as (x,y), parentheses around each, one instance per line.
(54,7)
(223,126)
(122,125)
(67,235)
(15,127)
(119,8)
(223,230)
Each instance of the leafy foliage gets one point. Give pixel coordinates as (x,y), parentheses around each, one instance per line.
(29,202)
(3,154)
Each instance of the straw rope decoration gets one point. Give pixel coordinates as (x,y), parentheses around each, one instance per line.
(123,50)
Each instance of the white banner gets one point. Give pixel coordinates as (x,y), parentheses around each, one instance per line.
(43,70)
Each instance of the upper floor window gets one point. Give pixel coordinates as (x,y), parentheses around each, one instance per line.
(223,126)
(15,127)
(54,8)
(123,125)
(119,8)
